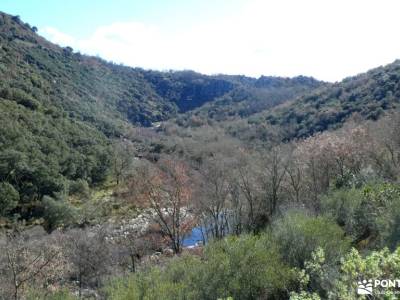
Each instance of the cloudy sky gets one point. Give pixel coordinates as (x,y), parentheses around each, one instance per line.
(329,39)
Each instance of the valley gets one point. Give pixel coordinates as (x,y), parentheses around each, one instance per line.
(126,183)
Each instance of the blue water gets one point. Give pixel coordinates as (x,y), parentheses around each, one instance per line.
(193,238)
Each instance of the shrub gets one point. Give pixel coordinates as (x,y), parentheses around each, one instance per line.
(369,215)
(9,198)
(57,213)
(79,188)
(245,267)
(298,234)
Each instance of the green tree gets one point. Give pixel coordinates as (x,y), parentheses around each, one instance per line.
(9,198)
(298,234)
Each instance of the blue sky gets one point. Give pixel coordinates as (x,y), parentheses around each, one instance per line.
(328,39)
(81,17)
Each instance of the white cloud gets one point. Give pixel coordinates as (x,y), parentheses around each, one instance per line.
(326,39)
(57,36)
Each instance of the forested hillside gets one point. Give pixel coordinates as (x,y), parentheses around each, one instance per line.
(60,109)
(254,96)
(368,95)
(123,183)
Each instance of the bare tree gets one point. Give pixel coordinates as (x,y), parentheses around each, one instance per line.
(167,189)
(24,262)
(132,246)
(294,181)
(123,156)
(248,183)
(213,195)
(274,163)
(384,146)
(88,254)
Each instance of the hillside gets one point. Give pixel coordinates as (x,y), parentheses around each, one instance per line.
(60,110)
(123,183)
(252,96)
(92,90)
(369,95)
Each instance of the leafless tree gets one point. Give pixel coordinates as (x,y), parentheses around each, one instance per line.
(249,185)
(88,254)
(167,189)
(214,193)
(123,156)
(132,245)
(24,261)
(274,167)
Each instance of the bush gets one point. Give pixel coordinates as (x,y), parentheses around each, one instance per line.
(20,97)
(298,234)
(342,206)
(353,268)
(79,188)
(9,198)
(245,267)
(36,294)
(57,213)
(369,215)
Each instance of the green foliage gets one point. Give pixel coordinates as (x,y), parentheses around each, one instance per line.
(38,153)
(59,109)
(228,269)
(57,213)
(9,198)
(298,235)
(79,188)
(378,265)
(369,215)
(368,94)
(250,97)
(20,97)
(304,296)
(343,206)
(38,294)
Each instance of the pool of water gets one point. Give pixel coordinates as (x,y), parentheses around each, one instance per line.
(193,238)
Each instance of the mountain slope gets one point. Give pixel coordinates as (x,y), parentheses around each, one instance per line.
(252,96)
(369,95)
(60,111)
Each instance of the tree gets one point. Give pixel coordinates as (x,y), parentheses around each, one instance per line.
(88,254)
(274,167)
(385,150)
(9,198)
(353,269)
(213,195)
(24,262)
(123,156)
(298,234)
(57,213)
(132,244)
(294,183)
(167,189)
(248,181)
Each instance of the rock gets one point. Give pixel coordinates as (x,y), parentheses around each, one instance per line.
(168,252)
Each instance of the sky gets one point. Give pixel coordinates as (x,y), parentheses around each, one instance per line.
(326,39)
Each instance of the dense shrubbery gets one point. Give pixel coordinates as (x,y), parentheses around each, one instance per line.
(39,154)
(228,268)
(300,255)
(298,235)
